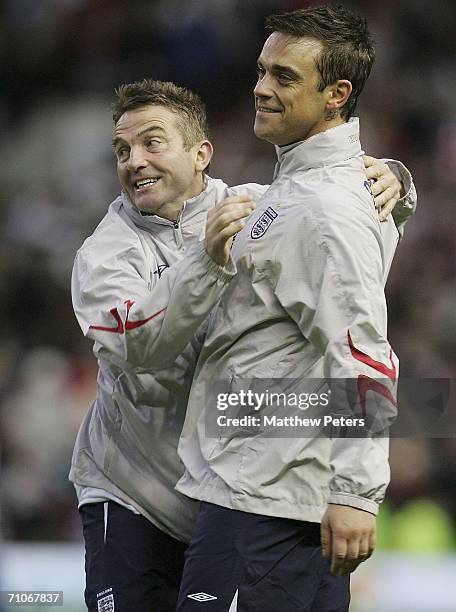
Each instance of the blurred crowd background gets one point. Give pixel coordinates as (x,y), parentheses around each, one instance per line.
(59,63)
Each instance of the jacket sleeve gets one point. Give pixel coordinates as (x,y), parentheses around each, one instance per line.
(146,322)
(254,190)
(332,287)
(406,206)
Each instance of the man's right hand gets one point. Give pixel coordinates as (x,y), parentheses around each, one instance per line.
(223,222)
(347,537)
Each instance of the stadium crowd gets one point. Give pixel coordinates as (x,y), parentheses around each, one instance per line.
(61,61)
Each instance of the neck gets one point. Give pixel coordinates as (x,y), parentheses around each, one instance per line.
(170,210)
(326,124)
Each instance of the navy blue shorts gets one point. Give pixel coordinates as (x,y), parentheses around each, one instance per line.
(130,565)
(241,562)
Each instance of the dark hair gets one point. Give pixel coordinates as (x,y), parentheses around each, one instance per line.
(188,106)
(348,48)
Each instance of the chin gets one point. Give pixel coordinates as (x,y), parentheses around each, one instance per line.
(261,133)
(267,137)
(146,207)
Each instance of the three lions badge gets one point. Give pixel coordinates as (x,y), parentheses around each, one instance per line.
(261,226)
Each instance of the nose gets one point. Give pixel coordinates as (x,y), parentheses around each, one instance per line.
(262,88)
(137,159)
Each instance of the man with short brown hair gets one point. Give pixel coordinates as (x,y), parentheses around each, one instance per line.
(144,282)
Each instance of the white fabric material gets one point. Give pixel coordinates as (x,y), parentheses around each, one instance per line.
(126,447)
(233,606)
(315,274)
(127,443)
(406,206)
(92,495)
(105,519)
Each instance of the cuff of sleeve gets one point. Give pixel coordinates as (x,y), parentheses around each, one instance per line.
(221,273)
(345,499)
(407,204)
(402,174)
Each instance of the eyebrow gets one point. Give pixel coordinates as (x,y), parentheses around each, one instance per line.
(154,128)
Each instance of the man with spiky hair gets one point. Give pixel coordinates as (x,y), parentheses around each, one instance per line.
(144,282)
(283,521)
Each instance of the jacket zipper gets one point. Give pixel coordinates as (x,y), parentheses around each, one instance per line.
(178,234)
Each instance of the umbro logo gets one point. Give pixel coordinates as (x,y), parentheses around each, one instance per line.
(201,597)
(161,268)
(368,186)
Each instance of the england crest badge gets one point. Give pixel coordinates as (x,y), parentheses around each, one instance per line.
(261,226)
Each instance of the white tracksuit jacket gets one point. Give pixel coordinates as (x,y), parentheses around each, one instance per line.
(307,302)
(141,288)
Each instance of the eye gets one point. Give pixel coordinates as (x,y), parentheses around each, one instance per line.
(122,153)
(284,79)
(260,72)
(153,143)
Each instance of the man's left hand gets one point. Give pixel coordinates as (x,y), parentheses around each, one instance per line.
(386,188)
(348,537)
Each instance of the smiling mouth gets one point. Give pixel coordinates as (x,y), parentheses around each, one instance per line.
(264,109)
(145,183)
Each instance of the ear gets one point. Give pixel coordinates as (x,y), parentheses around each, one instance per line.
(339,93)
(204,152)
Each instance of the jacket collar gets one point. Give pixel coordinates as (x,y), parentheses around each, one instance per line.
(190,207)
(334,145)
